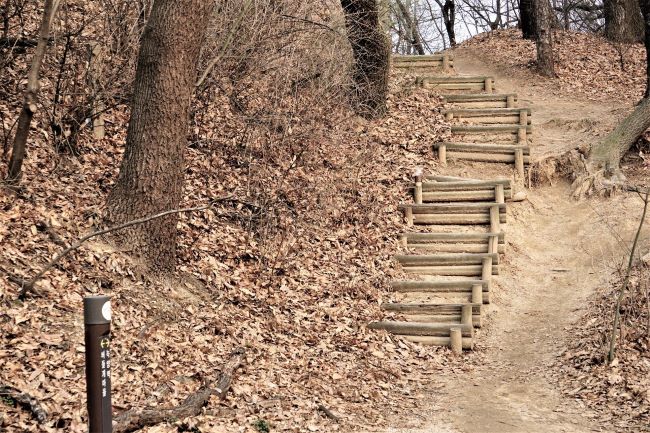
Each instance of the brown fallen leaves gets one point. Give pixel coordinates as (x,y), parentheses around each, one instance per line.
(292,271)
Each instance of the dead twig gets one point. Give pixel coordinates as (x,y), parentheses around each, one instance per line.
(328,413)
(135,419)
(28,286)
(617,314)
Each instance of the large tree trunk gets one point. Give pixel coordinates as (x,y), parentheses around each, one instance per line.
(449,17)
(623,21)
(371,51)
(412,29)
(527,19)
(544,38)
(645,11)
(31,95)
(151,174)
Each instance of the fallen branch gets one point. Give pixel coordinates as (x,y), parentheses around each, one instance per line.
(328,413)
(27,286)
(135,419)
(25,400)
(617,314)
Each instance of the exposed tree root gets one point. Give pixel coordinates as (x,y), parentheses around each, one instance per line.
(25,400)
(587,178)
(135,419)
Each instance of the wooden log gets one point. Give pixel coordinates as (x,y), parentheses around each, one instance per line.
(524,117)
(438,341)
(510,101)
(440,259)
(442,154)
(435,286)
(482,97)
(495,220)
(452,270)
(446,247)
(469,207)
(487,269)
(445,62)
(452,86)
(456,340)
(488,148)
(474,79)
(443,318)
(489,81)
(420,58)
(520,160)
(415,328)
(497,129)
(465,185)
(521,135)
(486,157)
(477,294)
(436,196)
(493,112)
(408,214)
(418,192)
(453,237)
(466,315)
(499,193)
(454,219)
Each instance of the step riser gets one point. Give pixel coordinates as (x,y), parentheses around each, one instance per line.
(455,248)
(485,157)
(447,318)
(477,120)
(438,341)
(454,86)
(450,271)
(420,329)
(453,219)
(454,296)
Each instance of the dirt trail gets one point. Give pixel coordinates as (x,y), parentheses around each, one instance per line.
(559,251)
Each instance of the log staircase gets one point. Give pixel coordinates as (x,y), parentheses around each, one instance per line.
(460,249)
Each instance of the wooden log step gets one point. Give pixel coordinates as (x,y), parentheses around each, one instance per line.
(438,286)
(446,247)
(489,129)
(421,329)
(455,219)
(454,208)
(437,312)
(484,112)
(428,308)
(455,78)
(439,341)
(493,97)
(451,270)
(434,62)
(447,196)
(452,237)
(445,259)
(455,185)
(484,147)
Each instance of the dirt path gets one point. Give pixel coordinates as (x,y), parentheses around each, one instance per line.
(559,251)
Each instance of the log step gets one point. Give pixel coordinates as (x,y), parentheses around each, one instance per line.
(484,147)
(439,341)
(420,58)
(452,270)
(446,259)
(490,129)
(454,242)
(493,100)
(454,208)
(484,112)
(436,329)
(436,312)
(474,290)
(442,62)
(455,185)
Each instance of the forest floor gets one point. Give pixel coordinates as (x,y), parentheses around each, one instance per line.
(560,251)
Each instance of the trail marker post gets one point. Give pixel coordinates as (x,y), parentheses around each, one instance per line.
(97,327)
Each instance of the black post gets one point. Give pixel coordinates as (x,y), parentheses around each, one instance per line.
(97,321)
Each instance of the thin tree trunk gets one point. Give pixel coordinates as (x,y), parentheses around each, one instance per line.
(645,11)
(449,17)
(151,173)
(623,21)
(527,19)
(31,95)
(413,32)
(371,52)
(544,38)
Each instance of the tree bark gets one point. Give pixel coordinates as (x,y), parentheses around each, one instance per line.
(544,38)
(152,170)
(371,52)
(449,17)
(14,171)
(645,11)
(606,155)
(413,32)
(527,19)
(623,21)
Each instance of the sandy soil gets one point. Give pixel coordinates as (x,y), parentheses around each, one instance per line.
(558,252)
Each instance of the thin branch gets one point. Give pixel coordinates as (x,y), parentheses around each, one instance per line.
(28,286)
(617,313)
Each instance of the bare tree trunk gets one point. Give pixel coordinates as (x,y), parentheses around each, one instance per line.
(449,16)
(645,11)
(544,38)
(31,95)
(623,21)
(371,51)
(527,19)
(151,173)
(606,155)
(413,32)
